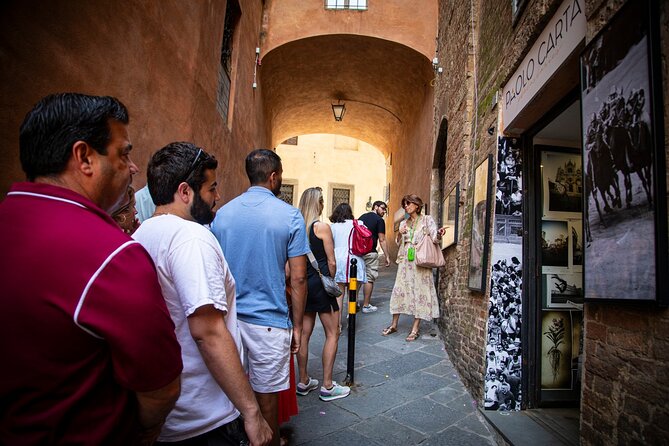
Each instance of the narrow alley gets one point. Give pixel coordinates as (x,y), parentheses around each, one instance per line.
(533,133)
(405,393)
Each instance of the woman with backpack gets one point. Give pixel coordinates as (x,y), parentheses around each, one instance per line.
(414,292)
(342,231)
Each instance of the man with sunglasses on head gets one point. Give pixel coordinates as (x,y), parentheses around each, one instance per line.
(90,355)
(374,222)
(200,294)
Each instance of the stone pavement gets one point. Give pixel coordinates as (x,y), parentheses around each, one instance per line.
(405,393)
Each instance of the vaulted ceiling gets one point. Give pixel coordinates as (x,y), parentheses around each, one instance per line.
(377,79)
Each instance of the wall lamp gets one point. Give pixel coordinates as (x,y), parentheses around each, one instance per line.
(338,110)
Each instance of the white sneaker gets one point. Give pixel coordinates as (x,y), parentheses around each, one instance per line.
(304,389)
(369,308)
(334,393)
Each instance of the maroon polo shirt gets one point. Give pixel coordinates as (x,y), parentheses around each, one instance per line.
(83,324)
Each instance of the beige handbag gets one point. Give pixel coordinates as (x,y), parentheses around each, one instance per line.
(429,255)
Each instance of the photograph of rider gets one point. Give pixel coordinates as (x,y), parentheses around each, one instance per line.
(619,220)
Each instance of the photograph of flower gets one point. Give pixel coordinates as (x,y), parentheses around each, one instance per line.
(556,354)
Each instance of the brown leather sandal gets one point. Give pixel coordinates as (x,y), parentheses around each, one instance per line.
(413,336)
(389,330)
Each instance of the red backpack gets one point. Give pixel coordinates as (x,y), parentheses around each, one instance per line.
(360,239)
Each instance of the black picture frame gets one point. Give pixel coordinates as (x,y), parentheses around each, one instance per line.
(621,109)
(480,237)
(450,217)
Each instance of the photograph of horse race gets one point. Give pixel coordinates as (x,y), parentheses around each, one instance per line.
(618,156)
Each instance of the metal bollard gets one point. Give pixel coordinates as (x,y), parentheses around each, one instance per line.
(352,309)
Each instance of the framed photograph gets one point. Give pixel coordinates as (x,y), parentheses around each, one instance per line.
(575,245)
(561,180)
(556,350)
(554,246)
(625,254)
(563,290)
(478,253)
(449,217)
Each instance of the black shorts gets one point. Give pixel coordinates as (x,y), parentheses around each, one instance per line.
(318,301)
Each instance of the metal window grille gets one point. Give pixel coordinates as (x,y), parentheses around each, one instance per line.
(232,14)
(340,196)
(360,5)
(223,97)
(287,193)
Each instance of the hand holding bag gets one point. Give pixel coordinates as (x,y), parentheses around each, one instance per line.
(329,283)
(429,255)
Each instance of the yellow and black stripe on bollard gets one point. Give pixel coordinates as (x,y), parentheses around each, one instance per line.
(352,309)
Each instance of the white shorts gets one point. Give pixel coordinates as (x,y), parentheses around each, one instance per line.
(267,356)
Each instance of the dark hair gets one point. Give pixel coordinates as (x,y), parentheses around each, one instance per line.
(172,165)
(260,164)
(341,213)
(415,199)
(57,121)
(378,203)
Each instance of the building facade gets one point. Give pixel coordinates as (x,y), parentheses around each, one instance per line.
(557,215)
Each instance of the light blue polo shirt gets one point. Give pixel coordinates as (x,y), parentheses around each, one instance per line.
(258,233)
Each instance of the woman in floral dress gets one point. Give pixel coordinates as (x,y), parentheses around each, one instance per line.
(414,292)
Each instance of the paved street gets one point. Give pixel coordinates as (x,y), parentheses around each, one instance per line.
(405,393)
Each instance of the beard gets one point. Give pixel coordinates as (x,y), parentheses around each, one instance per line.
(277,189)
(201,211)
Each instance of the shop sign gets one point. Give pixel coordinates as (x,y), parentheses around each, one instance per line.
(557,41)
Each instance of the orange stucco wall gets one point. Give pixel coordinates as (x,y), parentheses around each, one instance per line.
(164,70)
(413,24)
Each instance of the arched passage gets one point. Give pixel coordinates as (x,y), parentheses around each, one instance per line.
(381,83)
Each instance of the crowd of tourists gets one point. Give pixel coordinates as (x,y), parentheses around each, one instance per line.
(181,329)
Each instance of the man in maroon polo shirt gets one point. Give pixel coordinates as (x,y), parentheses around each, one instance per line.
(90,353)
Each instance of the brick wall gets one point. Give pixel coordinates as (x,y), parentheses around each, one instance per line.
(464,96)
(454,101)
(625,390)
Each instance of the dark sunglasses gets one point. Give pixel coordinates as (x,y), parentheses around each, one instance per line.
(193,165)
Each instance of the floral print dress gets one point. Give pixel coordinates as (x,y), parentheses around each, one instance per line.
(414,292)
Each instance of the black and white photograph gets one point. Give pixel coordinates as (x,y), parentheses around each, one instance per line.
(449,217)
(503,350)
(478,254)
(563,290)
(562,184)
(575,245)
(554,244)
(509,196)
(624,239)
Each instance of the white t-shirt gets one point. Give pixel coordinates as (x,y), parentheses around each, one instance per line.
(192,272)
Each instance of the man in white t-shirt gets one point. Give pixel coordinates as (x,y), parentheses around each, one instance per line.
(200,294)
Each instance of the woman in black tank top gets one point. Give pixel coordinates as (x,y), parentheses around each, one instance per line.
(318,301)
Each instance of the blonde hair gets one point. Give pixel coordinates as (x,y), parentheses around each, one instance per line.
(311,205)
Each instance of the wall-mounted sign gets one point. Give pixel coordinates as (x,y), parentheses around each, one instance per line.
(557,41)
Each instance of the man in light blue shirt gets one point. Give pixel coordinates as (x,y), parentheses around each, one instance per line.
(258,234)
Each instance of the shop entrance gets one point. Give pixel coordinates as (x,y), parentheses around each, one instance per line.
(556,219)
